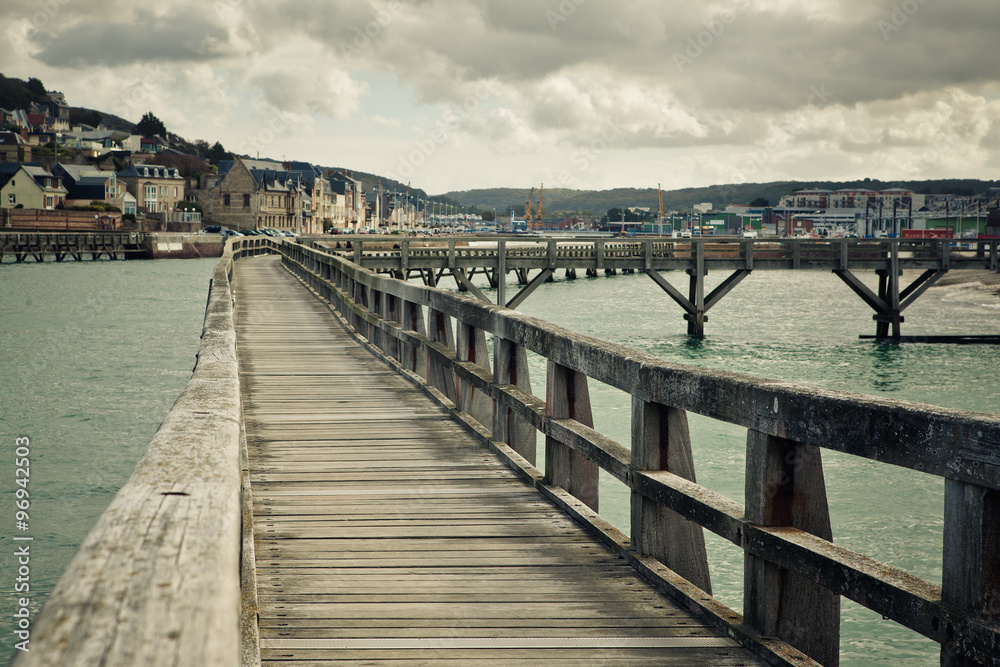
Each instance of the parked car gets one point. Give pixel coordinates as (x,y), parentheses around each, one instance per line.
(229,232)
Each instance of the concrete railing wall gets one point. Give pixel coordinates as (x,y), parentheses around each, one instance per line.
(157,581)
(794,574)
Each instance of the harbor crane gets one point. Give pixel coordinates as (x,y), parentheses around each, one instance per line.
(538,211)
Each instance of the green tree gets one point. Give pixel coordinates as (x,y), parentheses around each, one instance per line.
(217,153)
(150,125)
(36,87)
(759,201)
(85,116)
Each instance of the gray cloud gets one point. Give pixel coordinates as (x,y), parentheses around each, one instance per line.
(144,37)
(848,75)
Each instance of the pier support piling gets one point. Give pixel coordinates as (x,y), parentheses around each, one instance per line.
(890,302)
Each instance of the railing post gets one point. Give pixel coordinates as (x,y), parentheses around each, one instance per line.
(415,356)
(375,308)
(568,397)
(472,347)
(510,367)
(440,330)
(393,313)
(361,300)
(661,441)
(971,569)
(785,487)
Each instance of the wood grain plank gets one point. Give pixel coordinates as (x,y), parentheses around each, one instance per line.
(377,518)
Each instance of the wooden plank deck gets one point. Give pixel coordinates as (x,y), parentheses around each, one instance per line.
(385,535)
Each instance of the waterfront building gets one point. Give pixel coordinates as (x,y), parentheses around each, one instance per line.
(29,186)
(156,189)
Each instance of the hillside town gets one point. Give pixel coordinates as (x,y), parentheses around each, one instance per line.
(55,174)
(67,176)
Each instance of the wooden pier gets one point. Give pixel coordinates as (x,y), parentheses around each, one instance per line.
(462,259)
(60,246)
(309,491)
(384,532)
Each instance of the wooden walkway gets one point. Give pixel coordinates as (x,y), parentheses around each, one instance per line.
(385,535)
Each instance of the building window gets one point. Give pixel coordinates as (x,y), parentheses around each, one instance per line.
(175,191)
(13,198)
(150,198)
(246,201)
(225,200)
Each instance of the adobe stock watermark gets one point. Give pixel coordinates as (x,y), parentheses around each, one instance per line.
(818,95)
(562,13)
(135,99)
(901,15)
(227,9)
(583,157)
(20,34)
(22,550)
(370,32)
(451,120)
(253,144)
(714,29)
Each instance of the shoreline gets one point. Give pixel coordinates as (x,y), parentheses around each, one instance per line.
(983,280)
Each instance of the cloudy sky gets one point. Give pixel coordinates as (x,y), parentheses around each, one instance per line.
(458,94)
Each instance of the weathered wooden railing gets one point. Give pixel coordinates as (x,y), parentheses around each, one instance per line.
(793,573)
(157,581)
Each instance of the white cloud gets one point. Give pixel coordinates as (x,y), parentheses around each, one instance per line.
(381,120)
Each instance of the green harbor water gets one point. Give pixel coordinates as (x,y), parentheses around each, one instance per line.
(93,354)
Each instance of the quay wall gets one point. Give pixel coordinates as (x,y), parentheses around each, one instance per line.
(160,245)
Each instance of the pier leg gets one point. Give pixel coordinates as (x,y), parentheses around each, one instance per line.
(785,487)
(696,296)
(661,441)
(571,274)
(526,291)
(890,302)
(883,320)
(568,397)
(466,285)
